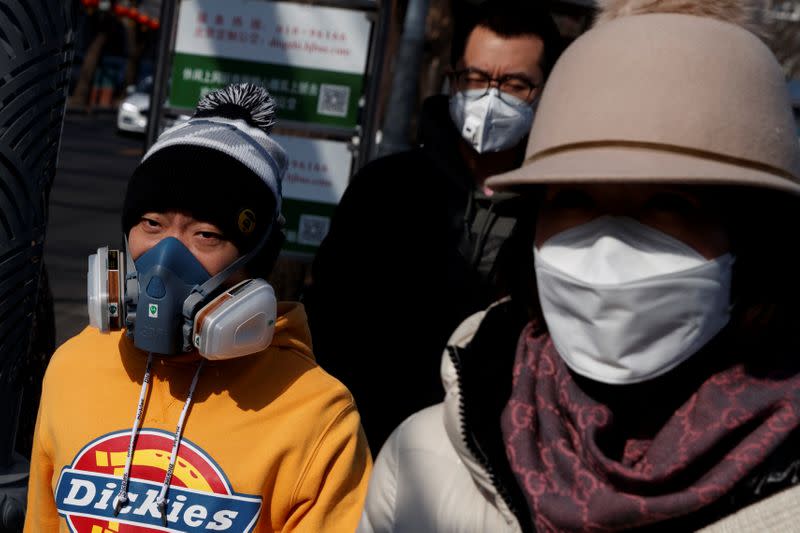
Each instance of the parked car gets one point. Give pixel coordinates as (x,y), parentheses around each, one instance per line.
(134,109)
(132,113)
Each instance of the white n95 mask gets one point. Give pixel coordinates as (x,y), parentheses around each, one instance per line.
(625,303)
(489,122)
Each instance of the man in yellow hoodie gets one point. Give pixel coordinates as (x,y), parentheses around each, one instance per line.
(236,427)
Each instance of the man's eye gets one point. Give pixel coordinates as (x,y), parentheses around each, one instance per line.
(475,76)
(210,235)
(150,223)
(517,84)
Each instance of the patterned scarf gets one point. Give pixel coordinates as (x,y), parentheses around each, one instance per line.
(594,457)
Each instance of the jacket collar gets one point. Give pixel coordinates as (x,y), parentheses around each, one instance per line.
(476,373)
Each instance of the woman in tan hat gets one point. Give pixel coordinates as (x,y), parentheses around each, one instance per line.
(645,373)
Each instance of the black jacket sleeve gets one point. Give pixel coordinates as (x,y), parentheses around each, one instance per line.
(377,294)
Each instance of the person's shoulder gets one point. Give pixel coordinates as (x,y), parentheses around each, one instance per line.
(389,173)
(89,347)
(424,433)
(319,387)
(392,164)
(81,359)
(417,469)
(386,190)
(299,388)
(290,362)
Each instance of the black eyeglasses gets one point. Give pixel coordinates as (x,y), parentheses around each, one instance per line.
(478,80)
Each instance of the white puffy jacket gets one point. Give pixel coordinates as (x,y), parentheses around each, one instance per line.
(426,479)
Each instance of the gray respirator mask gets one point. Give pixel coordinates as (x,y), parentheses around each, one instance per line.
(489,121)
(169,304)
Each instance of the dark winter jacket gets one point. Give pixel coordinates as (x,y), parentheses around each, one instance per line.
(399,271)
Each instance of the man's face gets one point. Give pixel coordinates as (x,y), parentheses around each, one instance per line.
(203,239)
(498,56)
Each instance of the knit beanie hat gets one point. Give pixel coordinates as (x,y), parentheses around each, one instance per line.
(221,167)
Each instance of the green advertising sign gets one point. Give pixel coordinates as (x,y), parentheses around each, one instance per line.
(311,58)
(304,95)
(317,175)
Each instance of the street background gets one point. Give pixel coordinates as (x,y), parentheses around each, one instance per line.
(116,50)
(353,96)
(115,47)
(85,206)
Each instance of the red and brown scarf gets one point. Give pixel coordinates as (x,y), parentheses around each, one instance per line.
(592,457)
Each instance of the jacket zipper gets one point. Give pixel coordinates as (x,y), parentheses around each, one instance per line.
(474,448)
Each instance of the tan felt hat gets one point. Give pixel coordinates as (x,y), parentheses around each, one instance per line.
(663,98)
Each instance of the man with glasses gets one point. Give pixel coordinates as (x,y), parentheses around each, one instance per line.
(413,246)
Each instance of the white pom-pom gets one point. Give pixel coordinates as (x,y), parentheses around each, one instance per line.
(241,100)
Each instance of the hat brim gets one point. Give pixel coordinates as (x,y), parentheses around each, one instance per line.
(638,165)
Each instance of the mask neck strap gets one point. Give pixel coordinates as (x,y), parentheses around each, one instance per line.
(130,266)
(200,293)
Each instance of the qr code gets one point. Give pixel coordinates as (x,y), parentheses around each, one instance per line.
(333,100)
(312,229)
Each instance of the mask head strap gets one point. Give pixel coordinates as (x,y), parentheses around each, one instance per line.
(201,293)
(131,290)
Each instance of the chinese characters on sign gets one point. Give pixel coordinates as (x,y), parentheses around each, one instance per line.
(315,181)
(311,58)
(237,31)
(285,91)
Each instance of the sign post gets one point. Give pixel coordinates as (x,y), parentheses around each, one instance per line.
(167,18)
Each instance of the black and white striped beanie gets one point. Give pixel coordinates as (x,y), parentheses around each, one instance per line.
(221,166)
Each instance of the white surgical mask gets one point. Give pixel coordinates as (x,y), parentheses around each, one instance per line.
(488,122)
(625,303)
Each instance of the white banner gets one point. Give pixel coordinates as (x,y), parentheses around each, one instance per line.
(279,33)
(319,170)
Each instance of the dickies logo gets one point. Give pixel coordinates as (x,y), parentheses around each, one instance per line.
(200,496)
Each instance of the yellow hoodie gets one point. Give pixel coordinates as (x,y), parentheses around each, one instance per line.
(271,442)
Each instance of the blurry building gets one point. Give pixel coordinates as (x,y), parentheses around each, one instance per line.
(115,48)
